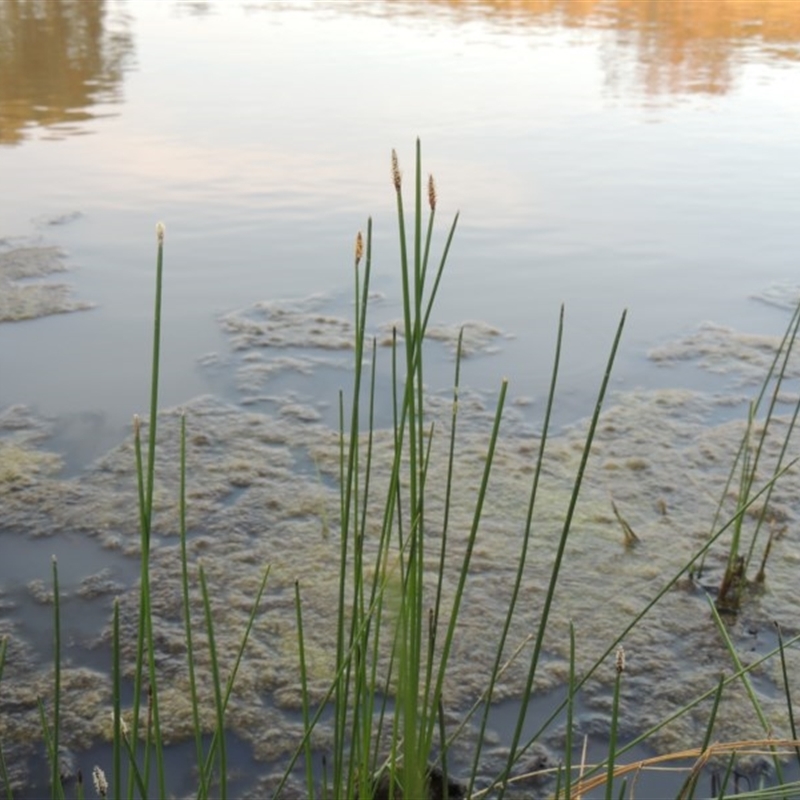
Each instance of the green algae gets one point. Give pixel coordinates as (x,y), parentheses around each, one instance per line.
(23,295)
(725,351)
(476,336)
(288,323)
(21,465)
(254,501)
(261,491)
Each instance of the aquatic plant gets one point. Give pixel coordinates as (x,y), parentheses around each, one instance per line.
(404,574)
(396,629)
(749,467)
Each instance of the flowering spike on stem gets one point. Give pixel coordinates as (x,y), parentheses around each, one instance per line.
(100,782)
(359,247)
(620,662)
(395,171)
(431,193)
(160,231)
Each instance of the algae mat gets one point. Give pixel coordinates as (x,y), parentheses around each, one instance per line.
(262,491)
(23,293)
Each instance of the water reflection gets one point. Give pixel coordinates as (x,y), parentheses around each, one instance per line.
(58,59)
(681,46)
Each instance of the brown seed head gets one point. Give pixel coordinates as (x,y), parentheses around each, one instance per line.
(620,659)
(395,171)
(431,193)
(359,248)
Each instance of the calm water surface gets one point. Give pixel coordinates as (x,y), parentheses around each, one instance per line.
(606,155)
(602,154)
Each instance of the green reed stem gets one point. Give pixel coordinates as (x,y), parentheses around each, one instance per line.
(690,785)
(56,788)
(555,571)
(304,686)
(145,487)
(350,500)
(786,689)
(217,737)
(464,569)
(525,542)
(762,718)
(612,737)
(643,737)
(570,716)
(3,769)
(218,704)
(409,664)
(637,619)
(116,778)
(789,336)
(4,775)
(187,620)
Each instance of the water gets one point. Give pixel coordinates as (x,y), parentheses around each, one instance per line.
(606,157)
(603,155)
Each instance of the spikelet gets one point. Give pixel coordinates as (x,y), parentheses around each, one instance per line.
(359,248)
(100,782)
(431,193)
(620,661)
(395,171)
(160,231)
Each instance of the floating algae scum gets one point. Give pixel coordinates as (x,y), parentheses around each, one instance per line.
(23,293)
(271,485)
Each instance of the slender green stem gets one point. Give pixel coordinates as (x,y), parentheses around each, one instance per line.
(146,482)
(4,774)
(304,687)
(187,620)
(212,749)
(570,716)
(525,541)
(555,571)
(612,737)
(689,787)
(787,689)
(748,686)
(218,704)
(116,778)
(56,787)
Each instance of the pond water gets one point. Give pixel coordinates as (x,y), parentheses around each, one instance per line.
(602,154)
(605,155)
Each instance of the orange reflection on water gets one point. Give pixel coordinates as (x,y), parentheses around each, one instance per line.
(681,46)
(58,58)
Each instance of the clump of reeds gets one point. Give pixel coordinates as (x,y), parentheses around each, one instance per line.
(415,625)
